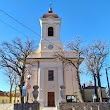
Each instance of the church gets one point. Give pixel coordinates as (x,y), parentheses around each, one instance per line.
(47,71)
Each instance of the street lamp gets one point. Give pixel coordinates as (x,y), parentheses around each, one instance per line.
(29,76)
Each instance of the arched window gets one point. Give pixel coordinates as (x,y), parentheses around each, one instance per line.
(50,31)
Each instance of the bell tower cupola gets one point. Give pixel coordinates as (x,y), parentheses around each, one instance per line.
(50,26)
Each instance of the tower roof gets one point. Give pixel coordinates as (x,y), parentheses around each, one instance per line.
(50,13)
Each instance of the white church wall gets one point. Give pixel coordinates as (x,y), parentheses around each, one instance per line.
(70,80)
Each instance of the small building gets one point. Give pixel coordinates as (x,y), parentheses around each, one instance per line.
(89,91)
(16,96)
(5,97)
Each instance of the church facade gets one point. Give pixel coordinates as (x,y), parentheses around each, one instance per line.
(47,71)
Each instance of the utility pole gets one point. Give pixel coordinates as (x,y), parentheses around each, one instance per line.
(107,78)
(107,81)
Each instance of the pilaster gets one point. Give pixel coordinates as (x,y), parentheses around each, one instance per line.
(41,86)
(60,81)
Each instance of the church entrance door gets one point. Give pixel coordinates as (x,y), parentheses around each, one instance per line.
(51,99)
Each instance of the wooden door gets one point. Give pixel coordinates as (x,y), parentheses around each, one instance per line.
(51,99)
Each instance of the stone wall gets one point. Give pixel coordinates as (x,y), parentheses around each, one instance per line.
(27,106)
(6,106)
(85,106)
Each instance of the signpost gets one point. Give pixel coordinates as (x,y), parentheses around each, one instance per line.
(23,91)
(94,97)
(28,86)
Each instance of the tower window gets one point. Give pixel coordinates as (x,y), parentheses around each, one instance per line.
(50,75)
(50,31)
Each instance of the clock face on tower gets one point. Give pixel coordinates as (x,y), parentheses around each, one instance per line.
(50,46)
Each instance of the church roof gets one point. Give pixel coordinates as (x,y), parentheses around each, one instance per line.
(92,87)
(50,13)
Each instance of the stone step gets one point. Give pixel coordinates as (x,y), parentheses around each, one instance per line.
(49,108)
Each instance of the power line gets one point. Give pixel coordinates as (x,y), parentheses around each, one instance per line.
(19,22)
(25,27)
(13,27)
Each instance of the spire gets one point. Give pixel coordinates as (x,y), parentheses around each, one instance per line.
(50,8)
(50,13)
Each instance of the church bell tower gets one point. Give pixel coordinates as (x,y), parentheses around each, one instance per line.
(50,33)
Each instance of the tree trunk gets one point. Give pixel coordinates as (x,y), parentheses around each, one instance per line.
(10,93)
(15,95)
(79,87)
(21,86)
(22,98)
(95,85)
(99,87)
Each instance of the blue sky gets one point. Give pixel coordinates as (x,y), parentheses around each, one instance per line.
(86,18)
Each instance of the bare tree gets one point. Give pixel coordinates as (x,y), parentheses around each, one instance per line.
(13,81)
(16,85)
(77,50)
(14,55)
(9,73)
(95,57)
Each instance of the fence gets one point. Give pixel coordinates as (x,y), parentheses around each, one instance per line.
(27,106)
(85,106)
